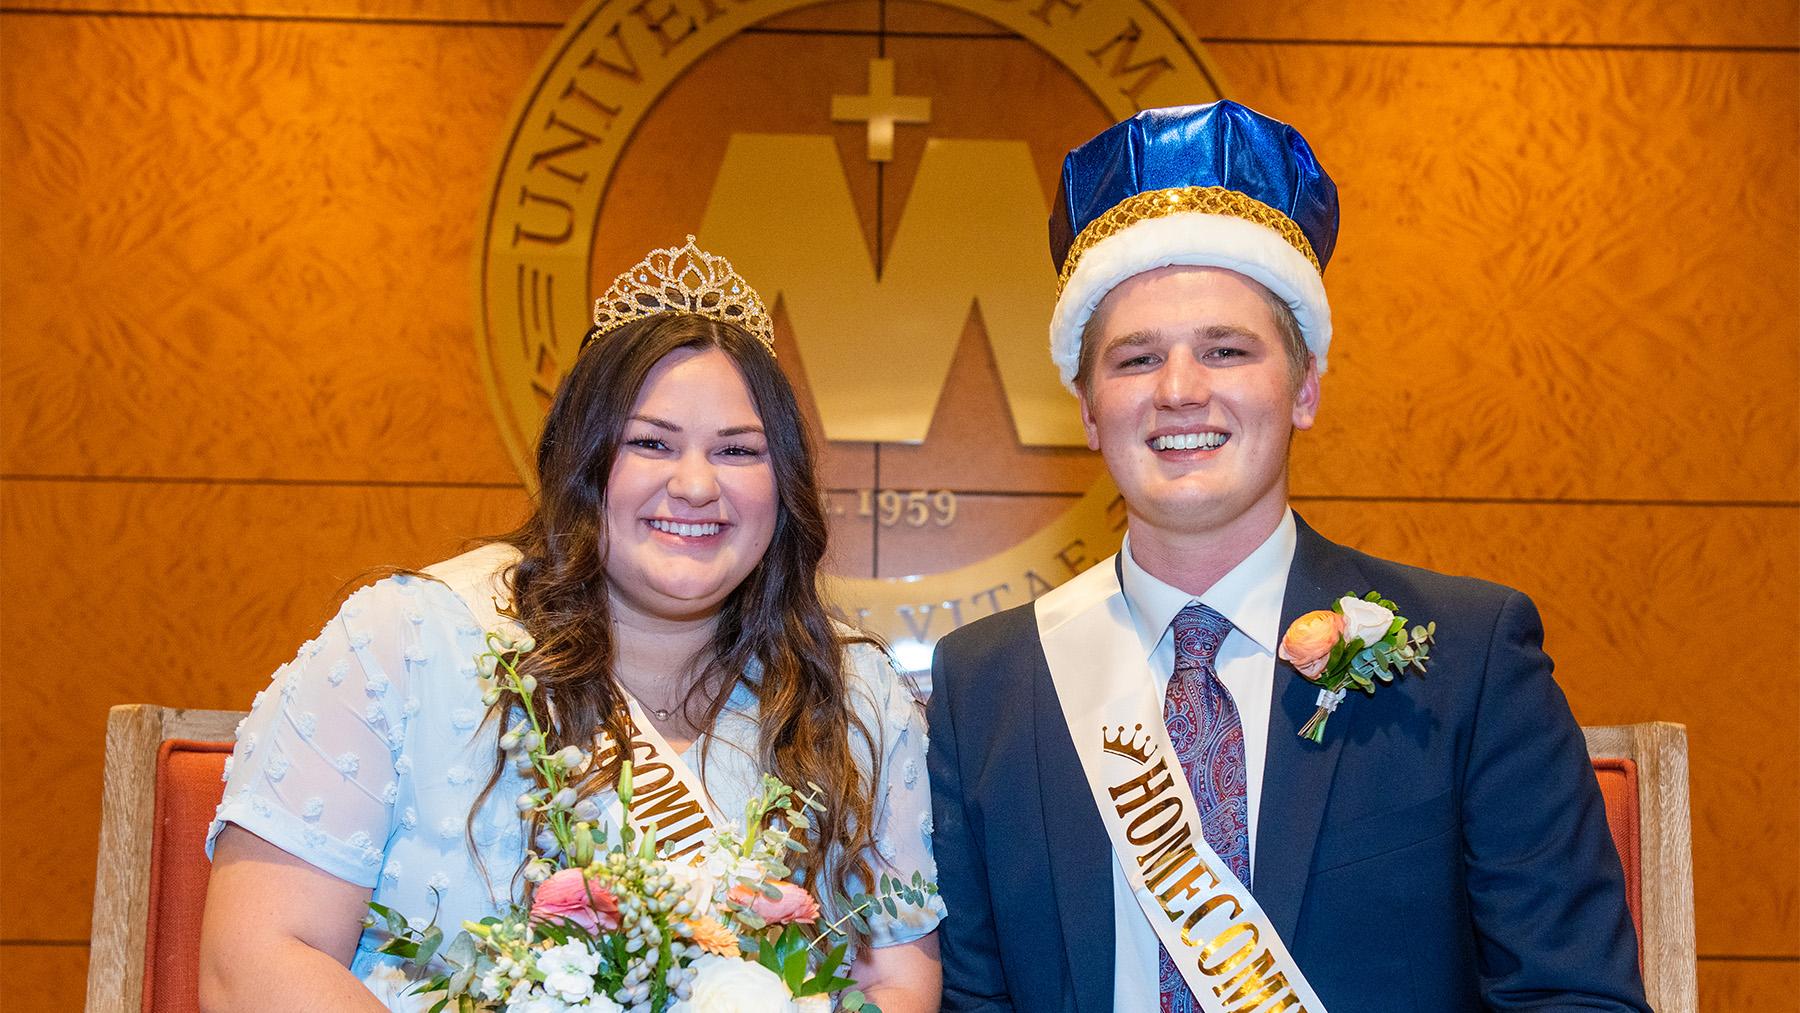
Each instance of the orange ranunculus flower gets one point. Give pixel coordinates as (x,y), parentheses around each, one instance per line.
(712,936)
(1307,644)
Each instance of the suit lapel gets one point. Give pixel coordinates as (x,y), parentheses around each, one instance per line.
(1297,774)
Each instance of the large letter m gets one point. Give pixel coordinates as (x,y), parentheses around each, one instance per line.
(877,351)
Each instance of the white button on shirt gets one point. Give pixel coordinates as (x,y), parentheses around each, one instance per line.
(1250,596)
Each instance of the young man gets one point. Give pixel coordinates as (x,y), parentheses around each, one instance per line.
(1127,816)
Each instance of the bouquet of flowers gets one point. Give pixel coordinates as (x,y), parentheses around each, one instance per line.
(612,926)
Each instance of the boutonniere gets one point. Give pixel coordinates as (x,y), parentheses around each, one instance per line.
(1355,643)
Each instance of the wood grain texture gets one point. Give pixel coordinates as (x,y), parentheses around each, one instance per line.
(122,873)
(1748,986)
(1578,22)
(1665,866)
(1551,279)
(189,596)
(1620,590)
(242,249)
(43,977)
(116,956)
(1571,305)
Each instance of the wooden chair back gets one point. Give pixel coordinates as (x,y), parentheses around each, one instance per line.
(1643,776)
(163,769)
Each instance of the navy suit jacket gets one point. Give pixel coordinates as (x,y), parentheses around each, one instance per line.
(1445,848)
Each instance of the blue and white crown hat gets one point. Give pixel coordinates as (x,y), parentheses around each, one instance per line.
(1216,185)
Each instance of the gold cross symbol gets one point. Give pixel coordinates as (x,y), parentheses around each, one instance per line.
(881,108)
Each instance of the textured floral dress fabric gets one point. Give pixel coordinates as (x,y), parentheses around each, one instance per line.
(365,755)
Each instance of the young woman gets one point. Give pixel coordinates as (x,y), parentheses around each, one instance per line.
(667,576)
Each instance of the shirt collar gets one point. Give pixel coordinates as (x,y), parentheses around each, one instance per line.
(1250,595)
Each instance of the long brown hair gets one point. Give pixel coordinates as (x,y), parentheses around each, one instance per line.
(772,633)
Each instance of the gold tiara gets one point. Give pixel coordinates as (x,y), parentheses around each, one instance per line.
(683,279)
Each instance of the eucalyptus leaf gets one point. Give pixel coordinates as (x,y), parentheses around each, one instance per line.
(429,943)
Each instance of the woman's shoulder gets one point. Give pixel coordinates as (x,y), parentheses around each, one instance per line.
(463,591)
(883,696)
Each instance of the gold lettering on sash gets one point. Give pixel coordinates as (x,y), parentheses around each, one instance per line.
(1207,907)
(1166,864)
(1252,985)
(1183,888)
(1182,838)
(1218,943)
(1142,783)
(660,797)
(1136,835)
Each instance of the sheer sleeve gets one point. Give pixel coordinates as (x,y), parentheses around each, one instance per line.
(902,798)
(316,767)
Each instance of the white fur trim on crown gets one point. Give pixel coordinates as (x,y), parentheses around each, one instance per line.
(1194,239)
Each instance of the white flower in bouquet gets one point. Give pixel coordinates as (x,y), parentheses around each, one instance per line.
(569,971)
(538,1002)
(697,885)
(725,985)
(1365,620)
(724,867)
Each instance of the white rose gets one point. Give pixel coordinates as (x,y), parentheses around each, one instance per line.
(1365,620)
(569,971)
(729,985)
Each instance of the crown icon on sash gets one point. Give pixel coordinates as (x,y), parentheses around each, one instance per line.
(683,279)
(1138,745)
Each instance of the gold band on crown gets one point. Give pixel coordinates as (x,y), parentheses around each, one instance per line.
(683,279)
(1211,200)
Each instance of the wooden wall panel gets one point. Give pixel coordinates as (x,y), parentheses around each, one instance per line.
(1748,986)
(1516,247)
(1658,613)
(1510,220)
(43,978)
(260,265)
(1563,22)
(238,247)
(186,595)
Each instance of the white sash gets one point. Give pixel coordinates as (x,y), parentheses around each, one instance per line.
(666,795)
(1217,935)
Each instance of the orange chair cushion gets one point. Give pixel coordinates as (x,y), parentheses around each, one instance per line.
(189,785)
(1619,788)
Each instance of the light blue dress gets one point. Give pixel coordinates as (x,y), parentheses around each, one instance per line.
(365,755)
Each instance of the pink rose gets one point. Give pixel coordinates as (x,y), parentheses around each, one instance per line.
(570,896)
(1308,643)
(794,904)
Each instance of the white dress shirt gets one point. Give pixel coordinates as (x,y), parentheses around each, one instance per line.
(1250,596)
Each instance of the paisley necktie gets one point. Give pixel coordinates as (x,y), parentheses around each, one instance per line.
(1209,740)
